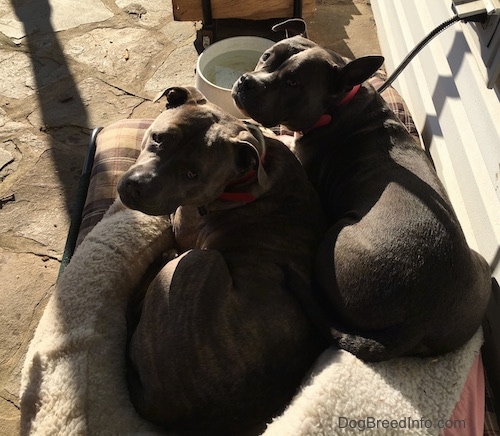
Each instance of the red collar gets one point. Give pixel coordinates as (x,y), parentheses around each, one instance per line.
(350,95)
(326,119)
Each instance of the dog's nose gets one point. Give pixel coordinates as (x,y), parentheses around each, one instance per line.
(134,187)
(246,82)
(131,187)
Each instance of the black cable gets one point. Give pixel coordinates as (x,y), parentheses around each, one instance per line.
(416,50)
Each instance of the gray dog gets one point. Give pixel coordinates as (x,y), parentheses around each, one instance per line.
(394,268)
(222,344)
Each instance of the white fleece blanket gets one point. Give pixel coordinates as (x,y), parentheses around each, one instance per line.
(73,380)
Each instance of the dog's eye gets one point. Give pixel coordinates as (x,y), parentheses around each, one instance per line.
(156,138)
(192,175)
(291,83)
(265,57)
(163,137)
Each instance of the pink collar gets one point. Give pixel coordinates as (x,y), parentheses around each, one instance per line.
(326,119)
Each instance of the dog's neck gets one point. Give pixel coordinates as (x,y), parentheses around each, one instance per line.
(231,198)
(239,191)
(349,96)
(251,177)
(247,179)
(326,118)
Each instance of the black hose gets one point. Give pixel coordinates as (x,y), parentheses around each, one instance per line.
(416,50)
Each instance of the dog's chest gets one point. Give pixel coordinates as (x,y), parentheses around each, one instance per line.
(186,224)
(195,230)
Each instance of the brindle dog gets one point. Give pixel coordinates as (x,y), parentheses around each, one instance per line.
(222,344)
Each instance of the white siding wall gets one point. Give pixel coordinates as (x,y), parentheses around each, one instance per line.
(458,116)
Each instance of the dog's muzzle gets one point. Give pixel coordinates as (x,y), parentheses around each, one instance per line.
(245,92)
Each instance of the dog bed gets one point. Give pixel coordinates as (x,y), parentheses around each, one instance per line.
(73,380)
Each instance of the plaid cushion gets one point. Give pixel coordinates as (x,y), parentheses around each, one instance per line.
(117,148)
(396,103)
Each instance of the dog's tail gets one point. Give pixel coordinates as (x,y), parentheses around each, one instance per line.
(376,348)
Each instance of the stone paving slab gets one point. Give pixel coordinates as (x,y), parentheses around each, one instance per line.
(31,280)
(67,66)
(43,16)
(120,53)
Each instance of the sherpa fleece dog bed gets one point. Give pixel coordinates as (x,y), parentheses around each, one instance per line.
(73,380)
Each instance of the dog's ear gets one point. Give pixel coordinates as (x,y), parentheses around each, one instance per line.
(291,27)
(177,96)
(251,153)
(359,70)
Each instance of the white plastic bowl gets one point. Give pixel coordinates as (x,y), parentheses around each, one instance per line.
(223,62)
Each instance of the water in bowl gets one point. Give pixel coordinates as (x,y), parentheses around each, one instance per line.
(225,69)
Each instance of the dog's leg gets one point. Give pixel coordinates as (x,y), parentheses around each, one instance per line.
(335,262)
